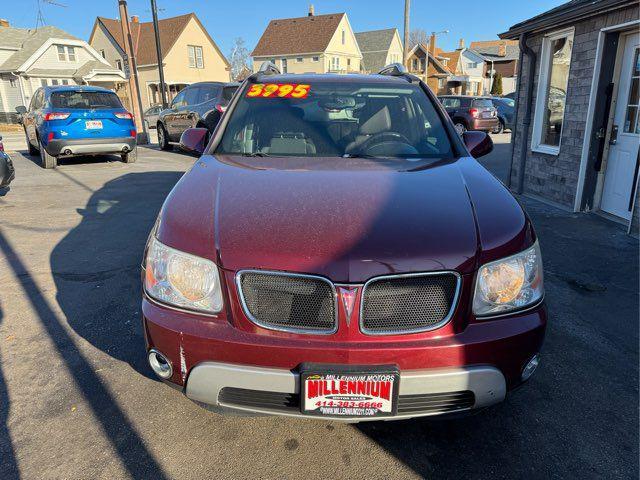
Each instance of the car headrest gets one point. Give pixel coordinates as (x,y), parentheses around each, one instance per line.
(379,122)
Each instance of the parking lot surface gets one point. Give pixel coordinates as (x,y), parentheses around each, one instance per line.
(77,399)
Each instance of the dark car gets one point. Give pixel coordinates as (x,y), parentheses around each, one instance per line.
(199,105)
(64,121)
(338,252)
(506,113)
(470,113)
(7,171)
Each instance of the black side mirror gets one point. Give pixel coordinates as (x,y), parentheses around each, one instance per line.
(21,109)
(193,140)
(479,144)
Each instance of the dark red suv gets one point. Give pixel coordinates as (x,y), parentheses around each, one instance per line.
(471,113)
(338,252)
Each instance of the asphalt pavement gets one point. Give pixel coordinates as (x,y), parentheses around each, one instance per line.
(77,399)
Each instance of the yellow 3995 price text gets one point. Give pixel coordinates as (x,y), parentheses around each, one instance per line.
(279,90)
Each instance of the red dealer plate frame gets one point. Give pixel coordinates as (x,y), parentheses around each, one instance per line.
(349,391)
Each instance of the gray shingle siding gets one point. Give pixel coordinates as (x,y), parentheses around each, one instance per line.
(555,178)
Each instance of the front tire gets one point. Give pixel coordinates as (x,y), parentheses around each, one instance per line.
(47,161)
(163,138)
(130,157)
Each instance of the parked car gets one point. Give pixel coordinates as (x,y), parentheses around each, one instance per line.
(198,105)
(506,113)
(151,115)
(64,121)
(338,252)
(7,171)
(470,113)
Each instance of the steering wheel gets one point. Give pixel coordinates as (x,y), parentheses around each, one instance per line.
(382,137)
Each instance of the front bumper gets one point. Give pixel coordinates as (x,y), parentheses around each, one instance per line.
(210,355)
(88,146)
(422,392)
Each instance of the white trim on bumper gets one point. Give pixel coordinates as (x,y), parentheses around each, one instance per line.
(207,379)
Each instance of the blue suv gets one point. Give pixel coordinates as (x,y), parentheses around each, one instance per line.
(65,121)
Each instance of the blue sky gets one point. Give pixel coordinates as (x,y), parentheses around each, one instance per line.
(226,20)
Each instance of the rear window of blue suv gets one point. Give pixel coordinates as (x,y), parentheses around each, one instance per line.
(74,99)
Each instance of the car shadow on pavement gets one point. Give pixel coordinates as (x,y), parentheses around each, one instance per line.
(8,464)
(79,160)
(96,266)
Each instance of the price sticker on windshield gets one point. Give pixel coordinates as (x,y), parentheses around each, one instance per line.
(278,90)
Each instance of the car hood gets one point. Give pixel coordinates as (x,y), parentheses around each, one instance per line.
(346,219)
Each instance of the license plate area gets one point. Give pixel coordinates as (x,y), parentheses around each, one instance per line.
(487,114)
(93,124)
(349,391)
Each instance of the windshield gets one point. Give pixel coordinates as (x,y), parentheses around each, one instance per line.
(343,119)
(73,99)
(482,102)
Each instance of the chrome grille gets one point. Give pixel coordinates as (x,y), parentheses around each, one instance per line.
(287,301)
(408,303)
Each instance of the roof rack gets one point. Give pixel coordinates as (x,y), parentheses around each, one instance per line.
(266,68)
(398,70)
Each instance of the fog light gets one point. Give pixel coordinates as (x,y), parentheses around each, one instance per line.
(160,364)
(530,367)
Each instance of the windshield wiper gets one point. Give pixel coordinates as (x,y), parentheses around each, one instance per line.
(361,155)
(255,154)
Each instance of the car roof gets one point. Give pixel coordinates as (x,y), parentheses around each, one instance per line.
(475,97)
(83,88)
(328,77)
(214,84)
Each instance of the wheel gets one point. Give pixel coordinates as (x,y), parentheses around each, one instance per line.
(32,150)
(499,128)
(163,138)
(460,128)
(47,161)
(130,157)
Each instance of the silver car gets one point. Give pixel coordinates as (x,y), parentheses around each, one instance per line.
(151,115)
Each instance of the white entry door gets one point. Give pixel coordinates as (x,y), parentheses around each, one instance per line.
(623,152)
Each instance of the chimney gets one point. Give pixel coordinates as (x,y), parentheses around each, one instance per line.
(461,44)
(432,44)
(4,22)
(311,10)
(135,19)
(502,49)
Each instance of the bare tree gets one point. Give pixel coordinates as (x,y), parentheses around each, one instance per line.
(240,60)
(417,36)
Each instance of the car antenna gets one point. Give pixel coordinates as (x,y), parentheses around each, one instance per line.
(266,68)
(398,70)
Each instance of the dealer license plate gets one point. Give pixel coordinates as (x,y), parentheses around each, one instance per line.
(487,114)
(93,124)
(349,391)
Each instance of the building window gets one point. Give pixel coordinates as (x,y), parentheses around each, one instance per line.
(299,60)
(344,37)
(54,81)
(555,62)
(195,56)
(315,59)
(348,63)
(441,83)
(65,82)
(119,65)
(335,64)
(71,52)
(61,54)
(472,65)
(414,64)
(12,83)
(66,54)
(284,68)
(103,54)
(43,82)
(631,123)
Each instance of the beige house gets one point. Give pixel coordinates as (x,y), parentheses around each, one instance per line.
(311,44)
(379,48)
(189,54)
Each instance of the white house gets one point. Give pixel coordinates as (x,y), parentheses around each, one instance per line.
(30,58)
(468,69)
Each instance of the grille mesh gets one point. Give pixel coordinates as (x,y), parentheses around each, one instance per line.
(405,304)
(289,302)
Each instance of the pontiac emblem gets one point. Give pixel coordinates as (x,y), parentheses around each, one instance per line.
(348,296)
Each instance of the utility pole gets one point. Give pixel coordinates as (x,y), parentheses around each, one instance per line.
(131,69)
(156,29)
(405,50)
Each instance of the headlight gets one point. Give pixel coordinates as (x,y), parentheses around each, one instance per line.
(181,279)
(509,284)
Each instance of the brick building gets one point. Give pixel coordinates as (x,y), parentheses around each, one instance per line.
(575,143)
